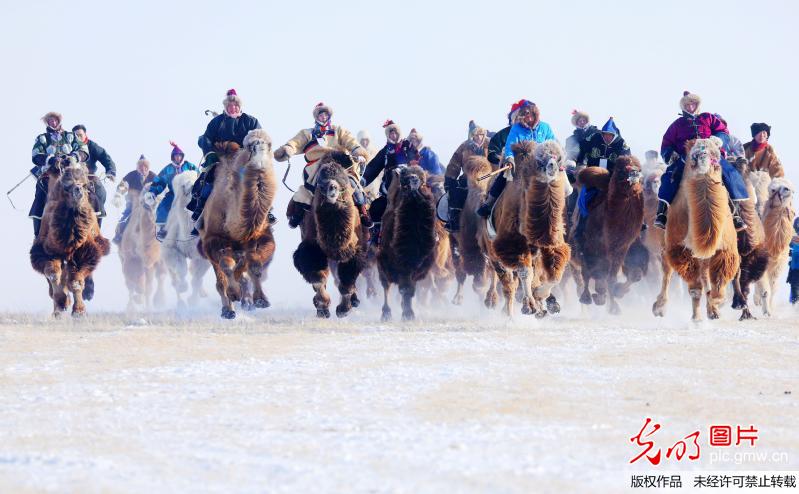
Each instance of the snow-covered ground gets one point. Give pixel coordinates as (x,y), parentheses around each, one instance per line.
(278,401)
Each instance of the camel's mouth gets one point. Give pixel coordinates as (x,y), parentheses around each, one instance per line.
(782,194)
(411,183)
(331,192)
(634,176)
(551,169)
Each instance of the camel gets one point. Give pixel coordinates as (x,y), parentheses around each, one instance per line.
(759,188)
(701,242)
(407,242)
(180,253)
(436,283)
(235,235)
(140,255)
(653,238)
(529,222)
(612,226)
(333,238)
(778,214)
(69,245)
(466,253)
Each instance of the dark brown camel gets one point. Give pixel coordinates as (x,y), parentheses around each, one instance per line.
(407,243)
(69,245)
(332,236)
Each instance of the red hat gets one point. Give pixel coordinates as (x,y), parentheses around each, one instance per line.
(176,149)
(231,95)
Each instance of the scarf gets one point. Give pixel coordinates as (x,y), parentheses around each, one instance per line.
(320,130)
(759,146)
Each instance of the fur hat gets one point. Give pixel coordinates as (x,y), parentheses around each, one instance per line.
(577,115)
(610,127)
(321,107)
(231,95)
(175,150)
(416,134)
(143,159)
(362,134)
(760,127)
(688,97)
(516,107)
(389,125)
(52,114)
(475,130)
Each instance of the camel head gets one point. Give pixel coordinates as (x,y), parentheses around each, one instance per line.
(704,157)
(182,185)
(780,193)
(332,180)
(436,185)
(413,181)
(550,162)
(627,172)
(259,145)
(652,182)
(74,184)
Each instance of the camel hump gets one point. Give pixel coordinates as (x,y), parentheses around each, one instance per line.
(594,176)
(476,166)
(523,150)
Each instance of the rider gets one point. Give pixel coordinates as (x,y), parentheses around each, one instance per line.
(322,135)
(454,182)
(397,152)
(426,157)
(528,127)
(51,148)
(496,146)
(135,180)
(231,126)
(365,140)
(694,125)
(96,153)
(760,153)
(601,149)
(793,264)
(164,182)
(582,132)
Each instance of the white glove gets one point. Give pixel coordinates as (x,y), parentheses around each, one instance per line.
(149,198)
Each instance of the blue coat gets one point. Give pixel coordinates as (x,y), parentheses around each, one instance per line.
(794,256)
(519,133)
(428,160)
(164,182)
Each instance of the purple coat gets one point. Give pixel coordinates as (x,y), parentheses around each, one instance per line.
(689,127)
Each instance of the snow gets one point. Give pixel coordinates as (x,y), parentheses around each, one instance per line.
(278,401)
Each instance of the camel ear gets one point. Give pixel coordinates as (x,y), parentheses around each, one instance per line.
(718,142)
(594,176)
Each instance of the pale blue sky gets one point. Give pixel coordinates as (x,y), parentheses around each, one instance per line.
(138,74)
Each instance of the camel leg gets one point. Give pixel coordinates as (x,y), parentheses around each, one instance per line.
(543,294)
(695,292)
(369,274)
(614,288)
(76,282)
(198,269)
(525,281)
(407,289)
(148,277)
(740,300)
(765,292)
(386,316)
(659,307)
(460,277)
(508,287)
(347,276)
(321,299)
(256,272)
(585,296)
(178,273)
(222,288)
(492,296)
(715,298)
(58,292)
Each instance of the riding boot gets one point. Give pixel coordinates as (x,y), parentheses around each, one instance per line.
(662,214)
(485,209)
(795,291)
(296,212)
(37,224)
(454,223)
(160,235)
(737,220)
(374,238)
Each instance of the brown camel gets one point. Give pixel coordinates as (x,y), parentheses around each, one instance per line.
(436,283)
(235,235)
(527,244)
(140,254)
(467,255)
(612,226)
(653,238)
(407,242)
(332,236)
(701,243)
(69,245)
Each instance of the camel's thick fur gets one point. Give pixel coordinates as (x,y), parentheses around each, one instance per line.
(140,255)
(468,257)
(179,251)
(236,236)
(529,223)
(653,238)
(332,236)
(69,245)
(613,225)
(407,244)
(701,243)
(437,281)
(778,214)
